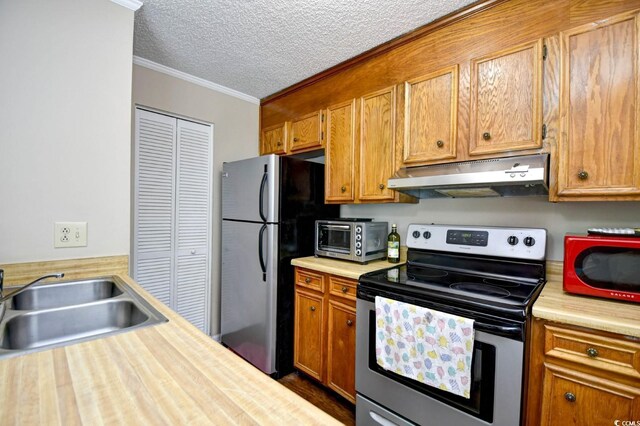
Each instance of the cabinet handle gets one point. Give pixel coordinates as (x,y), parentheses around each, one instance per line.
(592,352)
(279,143)
(345,289)
(381,186)
(583,175)
(313,309)
(486,136)
(570,397)
(343,188)
(296,139)
(193,252)
(307,280)
(440,144)
(349,323)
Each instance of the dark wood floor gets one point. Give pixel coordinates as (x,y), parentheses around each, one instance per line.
(321,397)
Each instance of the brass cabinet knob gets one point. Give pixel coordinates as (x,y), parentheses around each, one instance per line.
(296,139)
(349,323)
(570,397)
(345,289)
(307,280)
(279,143)
(440,144)
(583,175)
(381,186)
(343,188)
(313,309)
(486,136)
(592,352)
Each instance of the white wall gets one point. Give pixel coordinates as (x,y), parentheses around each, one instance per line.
(534,212)
(235,137)
(65,96)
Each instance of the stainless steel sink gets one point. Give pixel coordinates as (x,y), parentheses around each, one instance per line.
(62,313)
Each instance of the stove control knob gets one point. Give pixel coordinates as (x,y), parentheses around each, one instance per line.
(512,240)
(358,229)
(358,237)
(529,241)
(426,235)
(358,252)
(358,244)
(416,234)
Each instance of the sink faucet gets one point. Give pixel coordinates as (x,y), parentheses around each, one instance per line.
(4,298)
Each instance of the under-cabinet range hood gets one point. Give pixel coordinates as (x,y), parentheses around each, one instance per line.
(500,177)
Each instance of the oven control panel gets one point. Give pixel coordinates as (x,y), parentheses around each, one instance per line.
(520,243)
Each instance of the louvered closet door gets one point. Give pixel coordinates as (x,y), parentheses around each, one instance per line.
(154,203)
(192,217)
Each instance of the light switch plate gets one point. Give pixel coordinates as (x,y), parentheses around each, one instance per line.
(70,234)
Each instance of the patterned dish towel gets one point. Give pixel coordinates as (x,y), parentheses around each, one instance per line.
(432,347)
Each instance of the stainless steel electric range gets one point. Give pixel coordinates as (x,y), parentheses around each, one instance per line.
(489,274)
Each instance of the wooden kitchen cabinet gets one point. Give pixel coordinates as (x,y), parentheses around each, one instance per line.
(580,376)
(307,132)
(274,139)
(340,153)
(506,100)
(324,329)
(431,117)
(599,144)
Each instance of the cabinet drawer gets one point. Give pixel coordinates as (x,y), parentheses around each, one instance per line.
(310,279)
(599,351)
(342,287)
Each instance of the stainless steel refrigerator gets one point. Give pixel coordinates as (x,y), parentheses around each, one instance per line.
(269,208)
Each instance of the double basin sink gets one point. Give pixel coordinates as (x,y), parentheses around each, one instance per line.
(60,313)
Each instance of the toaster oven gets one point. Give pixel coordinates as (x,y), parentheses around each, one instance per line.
(357,240)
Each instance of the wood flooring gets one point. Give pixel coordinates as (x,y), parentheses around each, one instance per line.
(321,397)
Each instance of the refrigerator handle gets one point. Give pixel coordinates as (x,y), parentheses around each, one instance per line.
(262,185)
(263,266)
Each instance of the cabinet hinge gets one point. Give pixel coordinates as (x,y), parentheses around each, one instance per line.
(322,117)
(544,131)
(544,52)
(321,135)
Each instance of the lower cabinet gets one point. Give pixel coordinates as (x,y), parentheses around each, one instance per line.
(580,376)
(325,329)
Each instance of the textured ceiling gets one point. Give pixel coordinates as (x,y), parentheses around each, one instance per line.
(259,47)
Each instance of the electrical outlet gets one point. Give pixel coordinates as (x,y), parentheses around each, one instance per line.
(70,234)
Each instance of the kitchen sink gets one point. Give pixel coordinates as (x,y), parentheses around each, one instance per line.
(57,314)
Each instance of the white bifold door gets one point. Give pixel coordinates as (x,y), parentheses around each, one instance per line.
(172,213)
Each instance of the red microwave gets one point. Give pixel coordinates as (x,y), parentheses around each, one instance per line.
(602,266)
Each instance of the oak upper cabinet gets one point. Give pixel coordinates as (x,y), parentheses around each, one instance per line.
(599,144)
(431,112)
(274,139)
(377,145)
(340,152)
(307,132)
(506,100)
(582,377)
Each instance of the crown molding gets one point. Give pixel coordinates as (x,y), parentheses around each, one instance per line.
(193,79)
(129,4)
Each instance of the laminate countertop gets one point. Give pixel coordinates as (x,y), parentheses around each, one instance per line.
(345,268)
(170,374)
(613,316)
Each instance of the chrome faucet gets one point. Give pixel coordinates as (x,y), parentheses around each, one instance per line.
(23,288)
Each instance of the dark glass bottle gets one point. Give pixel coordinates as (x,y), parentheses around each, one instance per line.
(393,245)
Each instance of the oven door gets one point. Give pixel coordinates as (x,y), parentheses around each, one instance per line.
(496,389)
(334,238)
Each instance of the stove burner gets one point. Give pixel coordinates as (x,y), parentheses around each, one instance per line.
(506,284)
(424,273)
(485,289)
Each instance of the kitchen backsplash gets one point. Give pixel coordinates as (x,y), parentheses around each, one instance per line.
(535,212)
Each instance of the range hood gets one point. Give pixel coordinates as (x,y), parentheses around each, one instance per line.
(500,177)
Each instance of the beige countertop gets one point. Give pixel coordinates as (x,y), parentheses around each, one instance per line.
(554,304)
(170,373)
(345,268)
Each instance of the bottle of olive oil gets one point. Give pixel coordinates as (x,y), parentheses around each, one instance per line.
(393,245)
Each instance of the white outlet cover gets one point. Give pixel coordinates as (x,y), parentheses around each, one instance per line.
(70,234)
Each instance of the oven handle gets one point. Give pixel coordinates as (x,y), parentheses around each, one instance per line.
(499,329)
(347,227)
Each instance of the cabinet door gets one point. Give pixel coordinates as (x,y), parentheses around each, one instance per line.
(274,140)
(377,144)
(307,132)
(431,110)
(576,398)
(308,334)
(341,351)
(599,146)
(340,152)
(506,100)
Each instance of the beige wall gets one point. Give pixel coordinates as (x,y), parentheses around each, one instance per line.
(235,136)
(535,212)
(65,119)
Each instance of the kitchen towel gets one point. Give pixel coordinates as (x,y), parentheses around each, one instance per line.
(432,347)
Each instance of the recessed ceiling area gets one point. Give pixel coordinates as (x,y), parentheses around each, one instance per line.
(258,47)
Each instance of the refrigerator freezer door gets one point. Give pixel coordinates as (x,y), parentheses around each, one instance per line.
(249,189)
(248,295)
